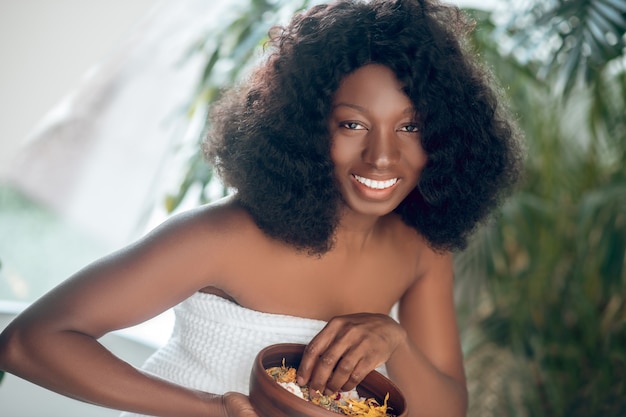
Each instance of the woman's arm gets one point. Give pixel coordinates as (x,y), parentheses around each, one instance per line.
(428,364)
(54,343)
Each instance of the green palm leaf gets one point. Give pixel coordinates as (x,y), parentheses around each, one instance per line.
(572,39)
(546,278)
(229,49)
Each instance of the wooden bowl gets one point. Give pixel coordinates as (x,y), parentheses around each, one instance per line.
(269,399)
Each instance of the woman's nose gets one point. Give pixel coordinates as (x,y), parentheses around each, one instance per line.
(381,150)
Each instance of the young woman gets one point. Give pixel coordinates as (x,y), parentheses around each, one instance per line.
(363,151)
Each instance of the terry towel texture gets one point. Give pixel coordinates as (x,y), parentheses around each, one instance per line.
(215,341)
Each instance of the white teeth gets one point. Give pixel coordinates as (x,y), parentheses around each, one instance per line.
(377,185)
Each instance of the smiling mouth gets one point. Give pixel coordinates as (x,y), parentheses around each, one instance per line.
(374,184)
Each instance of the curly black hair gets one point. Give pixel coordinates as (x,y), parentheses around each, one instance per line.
(269,137)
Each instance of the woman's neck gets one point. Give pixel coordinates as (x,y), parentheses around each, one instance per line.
(355,232)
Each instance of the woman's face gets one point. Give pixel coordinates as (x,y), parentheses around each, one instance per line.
(375,140)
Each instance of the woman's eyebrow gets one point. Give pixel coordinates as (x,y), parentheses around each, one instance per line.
(353,106)
(364,109)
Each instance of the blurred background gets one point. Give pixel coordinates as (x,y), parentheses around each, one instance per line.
(103,105)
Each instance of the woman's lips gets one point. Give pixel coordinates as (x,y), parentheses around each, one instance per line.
(375,184)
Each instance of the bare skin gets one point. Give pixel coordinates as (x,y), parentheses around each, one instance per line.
(377,261)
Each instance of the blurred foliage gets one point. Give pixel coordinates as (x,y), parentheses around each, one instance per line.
(547,277)
(572,38)
(541,288)
(229,49)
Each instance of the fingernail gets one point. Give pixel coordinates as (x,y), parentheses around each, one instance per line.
(300,380)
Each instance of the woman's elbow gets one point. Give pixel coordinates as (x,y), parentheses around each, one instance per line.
(13,349)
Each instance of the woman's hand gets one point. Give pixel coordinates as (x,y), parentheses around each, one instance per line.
(237,405)
(347,349)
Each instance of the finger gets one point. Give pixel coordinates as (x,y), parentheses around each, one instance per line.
(356,362)
(324,367)
(314,350)
(360,371)
(336,364)
(346,373)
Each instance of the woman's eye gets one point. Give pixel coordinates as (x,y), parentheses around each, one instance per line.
(410,128)
(352,125)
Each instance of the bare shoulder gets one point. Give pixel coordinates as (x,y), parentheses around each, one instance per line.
(221,214)
(414,248)
(188,251)
(212,238)
(217,222)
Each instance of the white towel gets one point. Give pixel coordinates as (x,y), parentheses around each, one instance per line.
(215,341)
